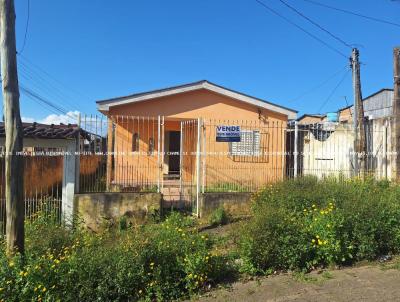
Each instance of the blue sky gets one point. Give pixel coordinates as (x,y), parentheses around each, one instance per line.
(99,49)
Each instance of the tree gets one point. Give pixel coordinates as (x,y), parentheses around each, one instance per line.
(14,185)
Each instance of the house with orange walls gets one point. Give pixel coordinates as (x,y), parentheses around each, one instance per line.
(173,132)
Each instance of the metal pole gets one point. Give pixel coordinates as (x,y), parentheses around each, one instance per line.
(203,177)
(295,153)
(199,126)
(384,157)
(158,153)
(163,152)
(181,161)
(78,155)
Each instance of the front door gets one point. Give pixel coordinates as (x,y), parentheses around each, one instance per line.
(174,152)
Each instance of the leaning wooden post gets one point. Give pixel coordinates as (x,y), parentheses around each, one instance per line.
(14,184)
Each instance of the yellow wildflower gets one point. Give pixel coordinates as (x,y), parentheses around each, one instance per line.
(11,264)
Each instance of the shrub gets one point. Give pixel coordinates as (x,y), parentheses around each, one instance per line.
(219,217)
(306,222)
(160,262)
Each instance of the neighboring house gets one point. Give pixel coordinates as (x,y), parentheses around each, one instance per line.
(327,148)
(135,127)
(43,155)
(376,106)
(307,119)
(45,176)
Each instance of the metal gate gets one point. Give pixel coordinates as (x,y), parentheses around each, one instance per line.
(190,164)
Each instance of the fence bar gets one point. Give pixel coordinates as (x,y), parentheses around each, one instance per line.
(295,153)
(384,156)
(198,150)
(181,160)
(158,155)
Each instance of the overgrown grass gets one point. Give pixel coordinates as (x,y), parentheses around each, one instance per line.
(219,217)
(306,223)
(164,261)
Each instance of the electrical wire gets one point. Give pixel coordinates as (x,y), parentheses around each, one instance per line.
(301,28)
(26,29)
(45,86)
(333,91)
(319,85)
(37,69)
(315,23)
(353,13)
(39,98)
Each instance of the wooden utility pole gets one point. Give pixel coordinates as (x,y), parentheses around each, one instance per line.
(396,111)
(14,133)
(358,117)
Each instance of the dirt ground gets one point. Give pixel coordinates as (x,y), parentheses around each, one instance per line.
(366,283)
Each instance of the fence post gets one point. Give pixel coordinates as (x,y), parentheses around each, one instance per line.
(68,184)
(163,152)
(158,153)
(295,153)
(203,177)
(199,126)
(385,164)
(78,156)
(181,161)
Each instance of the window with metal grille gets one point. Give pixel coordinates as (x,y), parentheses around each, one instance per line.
(249,144)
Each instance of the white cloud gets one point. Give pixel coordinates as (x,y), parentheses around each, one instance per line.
(89,122)
(70,118)
(27,119)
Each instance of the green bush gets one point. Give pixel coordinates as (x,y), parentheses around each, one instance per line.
(306,223)
(160,262)
(219,217)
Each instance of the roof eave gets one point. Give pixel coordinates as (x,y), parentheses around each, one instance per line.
(105,105)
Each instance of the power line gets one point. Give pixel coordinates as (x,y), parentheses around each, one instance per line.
(42,100)
(41,83)
(301,28)
(319,85)
(353,13)
(26,28)
(333,91)
(315,23)
(52,78)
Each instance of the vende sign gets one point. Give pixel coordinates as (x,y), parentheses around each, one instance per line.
(228,134)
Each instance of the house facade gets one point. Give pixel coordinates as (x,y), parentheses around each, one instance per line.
(328,148)
(172,133)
